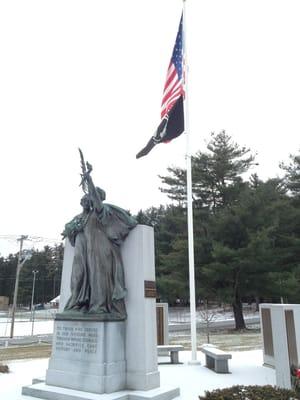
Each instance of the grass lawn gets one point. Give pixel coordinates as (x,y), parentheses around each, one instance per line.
(228,340)
(21,352)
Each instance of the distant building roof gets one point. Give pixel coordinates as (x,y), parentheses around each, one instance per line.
(55,300)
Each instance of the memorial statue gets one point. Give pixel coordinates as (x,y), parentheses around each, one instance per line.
(97,280)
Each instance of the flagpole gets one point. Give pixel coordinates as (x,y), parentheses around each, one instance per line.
(189,202)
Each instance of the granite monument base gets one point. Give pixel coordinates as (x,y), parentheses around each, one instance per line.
(88,356)
(42,391)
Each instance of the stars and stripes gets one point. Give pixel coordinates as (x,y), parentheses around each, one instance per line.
(172,113)
(174,83)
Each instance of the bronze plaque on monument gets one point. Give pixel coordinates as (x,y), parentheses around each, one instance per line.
(150,289)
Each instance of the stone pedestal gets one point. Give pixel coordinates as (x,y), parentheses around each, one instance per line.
(91,358)
(141,343)
(88,356)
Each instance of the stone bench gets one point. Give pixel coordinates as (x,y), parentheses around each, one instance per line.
(216,359)
(172,350)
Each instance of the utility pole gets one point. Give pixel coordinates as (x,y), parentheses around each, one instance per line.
(19,266)
(32,300)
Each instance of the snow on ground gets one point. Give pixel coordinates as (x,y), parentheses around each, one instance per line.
(182,314)
(21,374)
(246,369)
(23,328)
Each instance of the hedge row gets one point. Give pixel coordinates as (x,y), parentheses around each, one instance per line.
(240,392)
(4,368)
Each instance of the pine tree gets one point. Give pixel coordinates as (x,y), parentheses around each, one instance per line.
(217,184)
(292,176)
(216,174)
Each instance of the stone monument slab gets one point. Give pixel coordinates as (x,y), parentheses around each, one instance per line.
(280,325)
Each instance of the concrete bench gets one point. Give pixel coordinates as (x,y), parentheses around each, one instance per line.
(216,359)
(172,350)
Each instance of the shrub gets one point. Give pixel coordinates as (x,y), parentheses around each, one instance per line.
(4,368)
(240,392)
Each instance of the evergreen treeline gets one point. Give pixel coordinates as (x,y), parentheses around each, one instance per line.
(48,263)
(246,231)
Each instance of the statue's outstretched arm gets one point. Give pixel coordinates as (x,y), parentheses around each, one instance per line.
(93,193)
(88,184)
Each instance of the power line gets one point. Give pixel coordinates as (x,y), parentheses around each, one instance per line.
(30,238)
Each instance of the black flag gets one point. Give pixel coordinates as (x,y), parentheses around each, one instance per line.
(171,126)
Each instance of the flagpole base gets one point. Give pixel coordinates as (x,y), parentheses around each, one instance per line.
(194,362)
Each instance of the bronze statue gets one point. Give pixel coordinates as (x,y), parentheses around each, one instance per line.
(97,281)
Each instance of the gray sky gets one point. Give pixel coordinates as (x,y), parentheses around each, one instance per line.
(91,74)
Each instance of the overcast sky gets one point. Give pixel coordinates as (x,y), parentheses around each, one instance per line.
(90,74)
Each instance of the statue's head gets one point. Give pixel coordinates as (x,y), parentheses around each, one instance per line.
(86,202)
(101,193)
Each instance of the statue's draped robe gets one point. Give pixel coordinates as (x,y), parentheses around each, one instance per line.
(97,281)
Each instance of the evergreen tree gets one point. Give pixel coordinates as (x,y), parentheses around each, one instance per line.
(292,176)
(216,174)
(217,184)
(256,247)
(167,223)
(8,268)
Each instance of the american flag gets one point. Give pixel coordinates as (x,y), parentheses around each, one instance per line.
(172,110)
(174,83)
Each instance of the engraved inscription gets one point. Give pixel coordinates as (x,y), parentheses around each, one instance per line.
(76,339)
